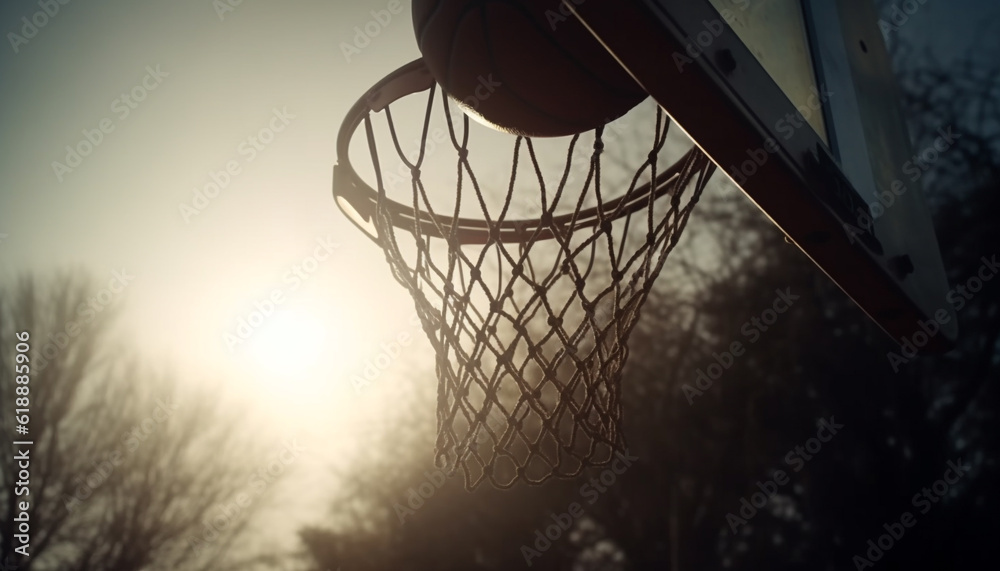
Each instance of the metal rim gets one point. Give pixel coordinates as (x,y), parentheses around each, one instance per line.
(358,200)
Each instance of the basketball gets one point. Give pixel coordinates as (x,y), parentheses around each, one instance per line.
(527,67)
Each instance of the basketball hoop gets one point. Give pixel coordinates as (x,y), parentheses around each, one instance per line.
(529,317)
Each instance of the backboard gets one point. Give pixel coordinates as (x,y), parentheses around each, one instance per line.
(797,103)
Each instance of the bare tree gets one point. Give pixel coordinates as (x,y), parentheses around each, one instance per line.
(128,469)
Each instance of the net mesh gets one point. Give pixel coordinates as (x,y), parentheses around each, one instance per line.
(530,319)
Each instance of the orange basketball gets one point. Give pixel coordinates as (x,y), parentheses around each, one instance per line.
(528,67)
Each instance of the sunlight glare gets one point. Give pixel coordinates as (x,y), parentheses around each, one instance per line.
(291,344)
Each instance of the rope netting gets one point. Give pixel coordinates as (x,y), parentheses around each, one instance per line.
(530,318)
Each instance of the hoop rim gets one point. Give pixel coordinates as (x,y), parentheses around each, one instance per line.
(358,200)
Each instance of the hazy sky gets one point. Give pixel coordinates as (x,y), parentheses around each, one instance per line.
(216,83)
(209,84)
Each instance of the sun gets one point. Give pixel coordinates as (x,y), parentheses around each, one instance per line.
(290,343)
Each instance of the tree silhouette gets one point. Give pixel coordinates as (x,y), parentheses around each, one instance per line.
(127,465)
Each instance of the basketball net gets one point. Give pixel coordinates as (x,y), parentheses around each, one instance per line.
(529,318)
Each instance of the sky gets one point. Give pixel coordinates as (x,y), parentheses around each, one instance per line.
(162,100)
(259,89)
(210,82)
